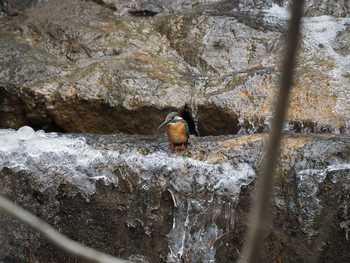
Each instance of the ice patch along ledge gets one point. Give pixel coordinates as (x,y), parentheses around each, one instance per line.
(198,188)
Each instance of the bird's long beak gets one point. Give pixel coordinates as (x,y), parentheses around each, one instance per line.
(164,123)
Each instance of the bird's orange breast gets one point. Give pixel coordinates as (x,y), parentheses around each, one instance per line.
(177,133)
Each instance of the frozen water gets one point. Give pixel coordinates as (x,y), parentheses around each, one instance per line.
(338,171)
(25,133)
(188,179)
(199,189)
(308,182)
(45,156)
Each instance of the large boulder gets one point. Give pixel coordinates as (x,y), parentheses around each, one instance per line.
(86,67)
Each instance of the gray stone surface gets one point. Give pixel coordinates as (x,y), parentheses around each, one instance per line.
(119,67)
(131,197)
(85,67)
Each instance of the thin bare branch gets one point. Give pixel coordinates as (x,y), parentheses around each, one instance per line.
(66,244)
(260,216)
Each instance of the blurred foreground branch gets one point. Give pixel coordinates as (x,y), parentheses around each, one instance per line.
(66,244)
(260,215)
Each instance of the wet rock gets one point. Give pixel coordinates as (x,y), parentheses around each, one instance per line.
(339,43)
(131,197)
(93,88)
(13,7)
(311,8)
(333,8)
(83,67)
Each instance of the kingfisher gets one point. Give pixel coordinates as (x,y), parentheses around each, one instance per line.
(177,129)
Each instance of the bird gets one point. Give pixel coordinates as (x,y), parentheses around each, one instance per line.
(177,129)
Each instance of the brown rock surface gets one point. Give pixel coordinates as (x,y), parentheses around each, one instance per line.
(83,67)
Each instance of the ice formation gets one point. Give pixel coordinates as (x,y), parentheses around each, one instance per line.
(308,182)
(52,159)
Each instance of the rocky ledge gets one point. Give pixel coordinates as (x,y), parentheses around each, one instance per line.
(130,196)
(118,67)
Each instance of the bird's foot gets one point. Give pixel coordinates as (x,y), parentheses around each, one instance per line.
(178,148)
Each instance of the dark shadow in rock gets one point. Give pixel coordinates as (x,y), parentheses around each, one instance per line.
(215,121)
(142,13)
(187,116)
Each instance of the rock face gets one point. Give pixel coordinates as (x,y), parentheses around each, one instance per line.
(130,197)
(120,66)
(110,66)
